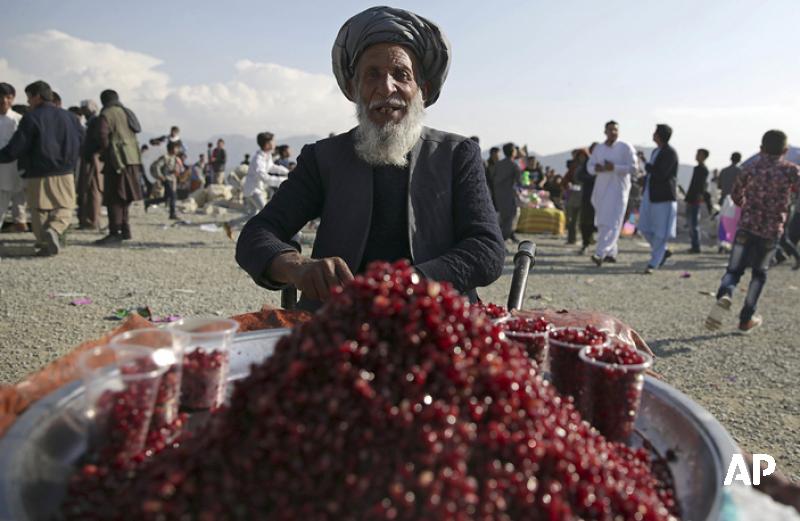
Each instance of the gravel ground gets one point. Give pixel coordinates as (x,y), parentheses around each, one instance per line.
(747,382)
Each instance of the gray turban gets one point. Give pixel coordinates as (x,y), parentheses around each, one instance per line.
(391,25)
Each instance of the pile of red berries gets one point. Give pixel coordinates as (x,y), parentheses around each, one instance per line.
(204,375)
(525,325)
(612,389)
(530,333)
(618,353)
(398,401)
(565,366)
(492,310)
(588,336)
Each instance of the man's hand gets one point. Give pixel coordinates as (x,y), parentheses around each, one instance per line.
(609,166)
(314,277)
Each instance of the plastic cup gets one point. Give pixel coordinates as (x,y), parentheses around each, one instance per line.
(534,343)
(611,394)
(565,365)
(121,388)
(205,361)
(167,405)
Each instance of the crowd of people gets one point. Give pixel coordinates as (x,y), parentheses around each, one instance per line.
(607,182)
(54,161)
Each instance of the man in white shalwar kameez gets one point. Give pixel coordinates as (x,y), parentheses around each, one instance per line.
(12,187)
(612,163)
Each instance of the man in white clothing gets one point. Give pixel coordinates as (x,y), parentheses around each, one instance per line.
(262,174)
(612,163)
(12,187)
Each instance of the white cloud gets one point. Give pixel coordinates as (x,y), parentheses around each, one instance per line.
(257,96)
(264,96)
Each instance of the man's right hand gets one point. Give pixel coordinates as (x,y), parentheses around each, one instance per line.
(314,277)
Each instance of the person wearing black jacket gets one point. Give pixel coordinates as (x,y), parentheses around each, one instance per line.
(389,189)
(659,207)
(47,142)
(695,199)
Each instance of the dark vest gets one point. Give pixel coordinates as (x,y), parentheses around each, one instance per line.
(347,211)
(123,147)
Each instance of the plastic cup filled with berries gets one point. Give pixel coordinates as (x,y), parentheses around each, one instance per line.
(205,361)
(612,378)
(531,333)
(167,404)
(121,388)
(564,346)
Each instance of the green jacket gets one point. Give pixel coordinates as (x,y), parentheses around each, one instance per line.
(123,147)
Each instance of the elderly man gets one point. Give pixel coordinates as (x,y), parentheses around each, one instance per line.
(388,189)
(47,142)
(90,179)
(612,162)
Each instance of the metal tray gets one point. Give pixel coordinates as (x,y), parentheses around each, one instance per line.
(37,453)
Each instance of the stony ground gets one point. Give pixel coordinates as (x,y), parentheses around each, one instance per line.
(747,382)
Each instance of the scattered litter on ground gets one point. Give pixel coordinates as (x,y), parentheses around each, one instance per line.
(83,301)
(210,228)
(165,319)
(589,281)
(70,294)
(181,290)
(708,293)
(685,275)
(121,313)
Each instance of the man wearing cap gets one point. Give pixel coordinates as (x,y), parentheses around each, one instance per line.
(388,189)
(90,178)
(12,189)
(47,142)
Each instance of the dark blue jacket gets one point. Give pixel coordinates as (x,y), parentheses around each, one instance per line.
(47,142)
(452,226)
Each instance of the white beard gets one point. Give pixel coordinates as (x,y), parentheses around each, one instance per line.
(389,144)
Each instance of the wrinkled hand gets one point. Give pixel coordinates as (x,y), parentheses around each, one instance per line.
(314,277)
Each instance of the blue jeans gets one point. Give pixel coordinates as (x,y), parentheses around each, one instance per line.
(693,212)
(749,251)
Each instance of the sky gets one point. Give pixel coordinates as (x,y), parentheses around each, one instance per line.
(542,73)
